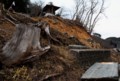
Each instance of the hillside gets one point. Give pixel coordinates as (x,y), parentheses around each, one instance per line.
(70,28)
(58,64)
(103,42)
(115,42)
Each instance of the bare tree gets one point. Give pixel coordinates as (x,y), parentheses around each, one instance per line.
(62,12)
(78,8)
(101,10)
(36,8)
(87,12)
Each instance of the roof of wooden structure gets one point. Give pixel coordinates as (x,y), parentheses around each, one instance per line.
(50,7)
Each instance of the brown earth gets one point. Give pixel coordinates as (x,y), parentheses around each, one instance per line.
(71,28)
(58,64)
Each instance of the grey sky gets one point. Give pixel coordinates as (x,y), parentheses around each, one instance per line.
(106,26)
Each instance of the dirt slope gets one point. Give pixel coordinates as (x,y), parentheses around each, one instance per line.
(71,28)
(58,64)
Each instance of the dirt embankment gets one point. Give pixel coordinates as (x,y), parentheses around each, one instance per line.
(70,28)
(58,64)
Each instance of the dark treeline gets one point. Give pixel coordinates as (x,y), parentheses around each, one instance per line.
(20,5)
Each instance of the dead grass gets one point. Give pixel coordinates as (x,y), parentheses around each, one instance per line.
(57,60)
(69,27)
(71,68)
(115,56)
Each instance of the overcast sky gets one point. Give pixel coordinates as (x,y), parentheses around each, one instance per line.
(106,26)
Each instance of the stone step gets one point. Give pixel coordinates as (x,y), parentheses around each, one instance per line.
(77,47)
(90,51)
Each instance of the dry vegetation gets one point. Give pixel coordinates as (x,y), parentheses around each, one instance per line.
(70,28)
(58,64)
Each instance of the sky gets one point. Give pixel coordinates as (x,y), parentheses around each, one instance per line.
(107,26)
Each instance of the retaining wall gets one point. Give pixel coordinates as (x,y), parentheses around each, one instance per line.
(87,57)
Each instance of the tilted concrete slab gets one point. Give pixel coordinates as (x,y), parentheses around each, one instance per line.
(103,70)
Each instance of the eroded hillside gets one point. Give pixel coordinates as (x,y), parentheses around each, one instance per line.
(70,28)
(58,64)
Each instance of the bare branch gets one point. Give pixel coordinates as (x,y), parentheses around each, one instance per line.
(95,19)
(88,12)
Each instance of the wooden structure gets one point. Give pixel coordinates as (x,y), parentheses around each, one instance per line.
(106,71)
(50,8)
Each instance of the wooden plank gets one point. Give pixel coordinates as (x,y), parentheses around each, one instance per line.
(102,70)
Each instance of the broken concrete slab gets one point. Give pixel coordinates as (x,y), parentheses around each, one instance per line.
(102,71)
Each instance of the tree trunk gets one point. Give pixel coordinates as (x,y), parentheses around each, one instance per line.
(25,40)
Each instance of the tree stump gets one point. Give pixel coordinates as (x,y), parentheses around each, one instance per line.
(24,40)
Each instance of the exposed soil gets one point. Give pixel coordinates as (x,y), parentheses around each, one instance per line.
(58,64)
